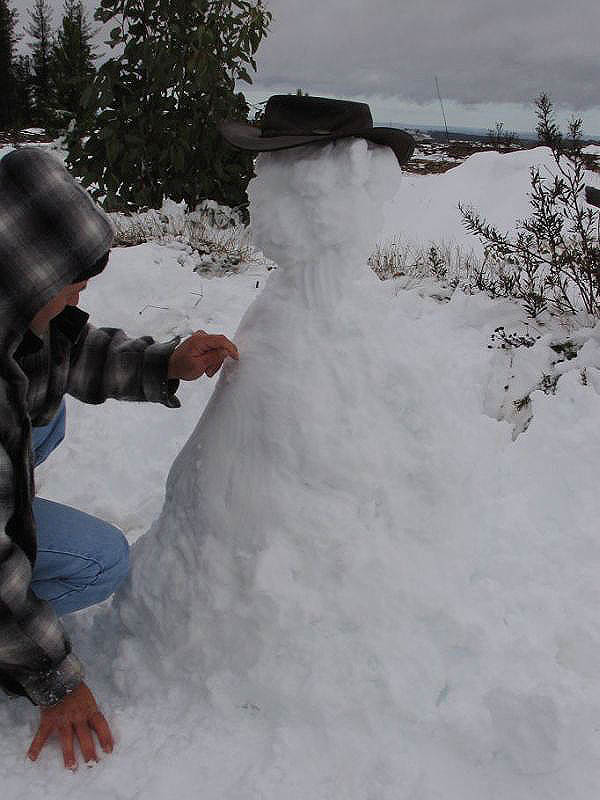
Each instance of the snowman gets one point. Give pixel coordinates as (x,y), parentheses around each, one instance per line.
(258,532)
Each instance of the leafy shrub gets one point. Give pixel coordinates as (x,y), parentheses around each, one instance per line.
(553,261)
(157,104)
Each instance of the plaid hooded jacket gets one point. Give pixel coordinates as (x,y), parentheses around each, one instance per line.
(51,234)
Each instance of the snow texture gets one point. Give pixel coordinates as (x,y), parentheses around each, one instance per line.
(362,584)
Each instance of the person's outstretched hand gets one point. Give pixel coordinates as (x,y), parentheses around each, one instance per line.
(77,715)
(202,353)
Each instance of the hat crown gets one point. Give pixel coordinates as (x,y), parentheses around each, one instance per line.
(299,115)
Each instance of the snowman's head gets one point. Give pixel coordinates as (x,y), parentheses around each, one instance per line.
(321,202)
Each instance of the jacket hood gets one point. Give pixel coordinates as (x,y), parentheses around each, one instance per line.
(51,234)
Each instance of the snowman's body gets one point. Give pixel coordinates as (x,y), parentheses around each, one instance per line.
(271,507)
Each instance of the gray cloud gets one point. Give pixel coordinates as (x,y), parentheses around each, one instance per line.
(482,51)
(505,51)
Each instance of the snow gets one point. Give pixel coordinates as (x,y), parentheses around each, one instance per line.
(369,578)
(494,183)
(56,147)
(435,156)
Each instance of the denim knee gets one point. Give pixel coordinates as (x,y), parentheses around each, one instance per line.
(81,559)
(117,569)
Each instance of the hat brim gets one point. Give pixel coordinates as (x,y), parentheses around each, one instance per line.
(592,196)
(248,137)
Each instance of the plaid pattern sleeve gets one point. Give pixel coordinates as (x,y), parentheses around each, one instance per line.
(34,653)
(105,363)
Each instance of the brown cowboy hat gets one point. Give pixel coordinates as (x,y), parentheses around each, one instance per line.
(295,120)
(592,196)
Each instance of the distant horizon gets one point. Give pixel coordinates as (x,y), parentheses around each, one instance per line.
(529,134)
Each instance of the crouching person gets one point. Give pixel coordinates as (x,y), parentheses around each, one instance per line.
(54,559)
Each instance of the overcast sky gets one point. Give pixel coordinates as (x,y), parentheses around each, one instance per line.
(491,57)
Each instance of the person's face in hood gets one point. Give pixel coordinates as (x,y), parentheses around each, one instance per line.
(69,296)
(53,237)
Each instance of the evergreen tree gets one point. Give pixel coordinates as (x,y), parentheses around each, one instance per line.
(547,130)
(40,30)
(157,104)
(23,90)
(8,40)
(72,64)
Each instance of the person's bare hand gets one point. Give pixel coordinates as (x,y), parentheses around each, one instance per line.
(201,354)
(75,717)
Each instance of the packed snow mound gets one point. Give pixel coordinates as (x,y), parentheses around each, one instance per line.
(425,208)
(267,431)
(355,567)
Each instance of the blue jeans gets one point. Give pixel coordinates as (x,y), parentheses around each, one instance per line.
(80,559)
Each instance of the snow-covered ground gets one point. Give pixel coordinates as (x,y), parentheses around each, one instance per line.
(404,605)
(495,184)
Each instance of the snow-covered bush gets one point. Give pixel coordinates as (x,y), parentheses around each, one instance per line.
(134,229)
(220,216)
(213,235)
(445,261)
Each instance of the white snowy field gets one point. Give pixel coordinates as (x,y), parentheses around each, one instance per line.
(374,576)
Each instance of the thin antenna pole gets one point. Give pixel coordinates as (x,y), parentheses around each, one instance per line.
(437,86)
